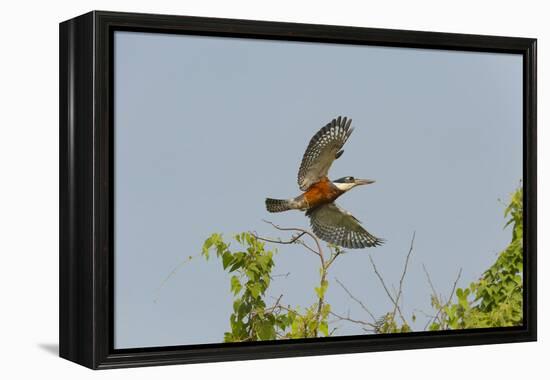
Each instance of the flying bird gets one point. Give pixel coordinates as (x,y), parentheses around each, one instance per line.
(328,221)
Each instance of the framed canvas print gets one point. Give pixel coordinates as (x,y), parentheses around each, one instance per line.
(236,189)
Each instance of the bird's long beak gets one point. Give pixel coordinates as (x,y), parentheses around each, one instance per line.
(364,181)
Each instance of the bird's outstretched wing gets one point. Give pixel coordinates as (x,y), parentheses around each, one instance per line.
(335,225)
(322,150)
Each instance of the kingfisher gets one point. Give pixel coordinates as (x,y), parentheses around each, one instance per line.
(328,221)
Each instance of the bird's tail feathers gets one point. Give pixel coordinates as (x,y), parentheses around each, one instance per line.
(280,205)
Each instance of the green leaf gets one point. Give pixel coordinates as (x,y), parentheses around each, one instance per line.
(323,328)
(235,285)
(206,247)
(463,302)
(237,304)
(228,337)
(321,290)
(435,326)
(227,258)
(255,290)
(266,330)
(236,265)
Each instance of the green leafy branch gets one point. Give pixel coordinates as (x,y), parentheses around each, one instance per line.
(496,299)
(252,319)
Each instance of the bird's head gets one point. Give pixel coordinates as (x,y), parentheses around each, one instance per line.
(348,183)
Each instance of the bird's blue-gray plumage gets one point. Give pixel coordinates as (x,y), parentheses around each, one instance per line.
(337,226)
(324,147)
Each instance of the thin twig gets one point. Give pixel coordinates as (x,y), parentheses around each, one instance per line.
(452,290)
(278,241)
(276,303)
(434,294)
(454,286)
(319,251)
(429,280)
(293,240)
(301,242)
(269,310)
(386,289)
(423,313)
(356,299)
(170,275)
(288,309)
(285,275)
(403,274)
(334,256)
(442,305)
(340,317)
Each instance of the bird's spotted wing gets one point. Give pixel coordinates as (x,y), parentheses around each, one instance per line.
(322,150)
(337,226)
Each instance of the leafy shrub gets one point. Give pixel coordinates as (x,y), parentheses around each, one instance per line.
(496,299)
(252,319)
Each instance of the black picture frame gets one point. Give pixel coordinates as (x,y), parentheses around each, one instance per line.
(86,188)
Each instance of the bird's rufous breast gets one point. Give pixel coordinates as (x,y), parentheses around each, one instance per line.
(321,193)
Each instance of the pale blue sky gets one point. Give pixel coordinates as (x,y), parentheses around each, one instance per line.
(207,127)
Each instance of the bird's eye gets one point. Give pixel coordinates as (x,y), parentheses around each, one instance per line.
(351,179)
